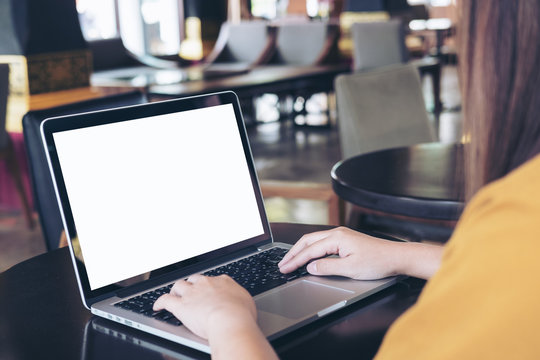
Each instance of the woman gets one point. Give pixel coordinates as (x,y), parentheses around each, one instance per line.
(482,299)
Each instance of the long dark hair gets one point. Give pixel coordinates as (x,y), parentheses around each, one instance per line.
(500,79)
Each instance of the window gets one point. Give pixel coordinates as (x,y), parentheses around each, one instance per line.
(98,19)
(264,8)
(145,26)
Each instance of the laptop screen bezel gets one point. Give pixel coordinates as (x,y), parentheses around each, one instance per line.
(96,118)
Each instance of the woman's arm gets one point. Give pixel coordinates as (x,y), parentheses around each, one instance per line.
(220,310)
(360,256)
(239,340)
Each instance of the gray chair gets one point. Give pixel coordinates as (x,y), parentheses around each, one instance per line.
(380,109)
(306,42)
(379,44)
(247,43)
(239,48)
(7,151)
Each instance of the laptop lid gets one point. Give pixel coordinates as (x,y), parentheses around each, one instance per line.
(149,192)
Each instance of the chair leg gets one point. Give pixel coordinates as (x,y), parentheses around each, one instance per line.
(436,82)
(15,172)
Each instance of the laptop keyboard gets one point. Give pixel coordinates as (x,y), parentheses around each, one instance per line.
(142,304)
(257,273)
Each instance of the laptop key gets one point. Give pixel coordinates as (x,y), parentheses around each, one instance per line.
(174,321)
(163,315)
(150,312)
(259,272)
(143,304)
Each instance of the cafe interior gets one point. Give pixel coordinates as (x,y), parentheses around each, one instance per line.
(352,107)
(319,82)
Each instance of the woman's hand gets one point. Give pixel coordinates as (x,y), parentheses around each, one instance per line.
(208,303)
(360,256)
(220,310)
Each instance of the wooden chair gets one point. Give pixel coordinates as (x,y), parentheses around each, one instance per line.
(7,151)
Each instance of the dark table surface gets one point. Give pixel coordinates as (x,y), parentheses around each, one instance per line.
(191,81)
(290,80)
(42,317)
(261,79)
(422,181)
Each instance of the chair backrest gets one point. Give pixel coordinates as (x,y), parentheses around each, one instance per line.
(42,186)
(249,42)
(4,92)
(305,42)
(377,44)
(381,109)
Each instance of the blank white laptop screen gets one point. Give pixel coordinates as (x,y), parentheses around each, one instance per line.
(150,192)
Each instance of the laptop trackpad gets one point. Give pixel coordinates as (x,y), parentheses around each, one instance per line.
(301,299)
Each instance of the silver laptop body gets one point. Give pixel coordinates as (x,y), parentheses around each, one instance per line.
(153,193)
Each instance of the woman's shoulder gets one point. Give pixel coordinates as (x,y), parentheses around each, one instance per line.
(501,223)
(526,174)
(483,300)
(519,187)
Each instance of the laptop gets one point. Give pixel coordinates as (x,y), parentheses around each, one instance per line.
(150,194)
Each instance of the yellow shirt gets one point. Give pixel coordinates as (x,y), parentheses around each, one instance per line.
(484,301)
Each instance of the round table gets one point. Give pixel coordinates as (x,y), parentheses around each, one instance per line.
(422,181)
(42,317)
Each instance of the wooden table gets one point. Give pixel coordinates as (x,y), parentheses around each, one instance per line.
(20,105)
(190,81)
(417,182)
(43,317)
(261,79)
(275,79)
